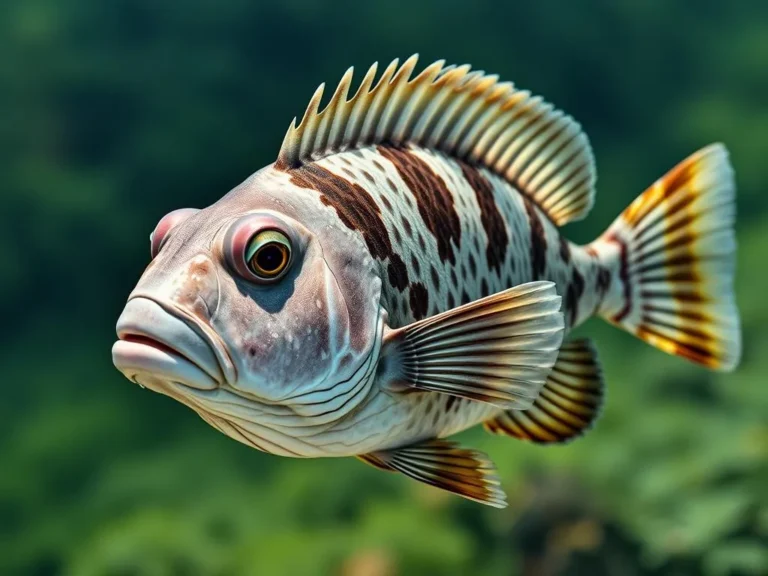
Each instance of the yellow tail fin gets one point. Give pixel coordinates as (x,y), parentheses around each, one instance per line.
(672,255)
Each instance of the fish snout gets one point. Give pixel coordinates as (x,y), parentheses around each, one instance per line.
(156,343)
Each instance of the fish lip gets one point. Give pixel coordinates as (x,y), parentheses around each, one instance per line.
(136,357)
(208,334)
(217,369)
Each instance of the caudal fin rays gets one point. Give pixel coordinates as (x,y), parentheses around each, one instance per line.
(674,254)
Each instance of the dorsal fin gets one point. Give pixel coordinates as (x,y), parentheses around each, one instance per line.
(467,115)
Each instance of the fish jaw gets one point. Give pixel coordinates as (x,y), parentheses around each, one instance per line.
(158,345)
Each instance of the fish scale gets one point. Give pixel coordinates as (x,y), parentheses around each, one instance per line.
(399,275)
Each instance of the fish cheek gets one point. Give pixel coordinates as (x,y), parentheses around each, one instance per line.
(293,332)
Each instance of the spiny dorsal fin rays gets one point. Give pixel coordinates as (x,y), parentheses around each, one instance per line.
(355,123)
(329,135)
(465,114)
(311,120)
(390,96)
(420,98)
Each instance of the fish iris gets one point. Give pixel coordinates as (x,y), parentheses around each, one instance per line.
(268,254)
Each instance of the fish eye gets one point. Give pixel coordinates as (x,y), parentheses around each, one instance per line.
(163,229)
(261,247)
(268,254)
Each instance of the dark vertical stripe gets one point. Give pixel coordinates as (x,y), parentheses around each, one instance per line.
(573,294)
(538,241)
(565,250)
(433,199)
(358,211)
(490,217)
(419,300)
(624,276)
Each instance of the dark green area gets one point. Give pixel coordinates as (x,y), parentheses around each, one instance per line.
(115,112)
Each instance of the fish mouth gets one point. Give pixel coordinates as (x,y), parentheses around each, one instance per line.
(159,345)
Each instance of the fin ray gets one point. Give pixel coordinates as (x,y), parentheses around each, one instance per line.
(445,465)
(674,250)
(497,349)
(567,406)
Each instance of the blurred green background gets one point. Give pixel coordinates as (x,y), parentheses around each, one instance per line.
(115,112)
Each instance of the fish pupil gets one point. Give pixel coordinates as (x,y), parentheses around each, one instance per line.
(271,258)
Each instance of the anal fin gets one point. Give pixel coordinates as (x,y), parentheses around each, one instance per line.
(445,465)
(567,406)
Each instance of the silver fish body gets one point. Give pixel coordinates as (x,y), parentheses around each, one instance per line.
(398,275)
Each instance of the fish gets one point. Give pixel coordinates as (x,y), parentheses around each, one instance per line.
(398,275)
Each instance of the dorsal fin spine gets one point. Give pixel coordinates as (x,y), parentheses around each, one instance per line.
(453,110)
(552,180)
(425,127)
(335,119)
(379,93)
(311,118)
(547,170)
(487,138)
(440,115)
(352,131)
(506,134)
(323,128)
(397,86)
(469,89)
(407,126)
(402,130)
(469,115)
(573,168)
(516,141)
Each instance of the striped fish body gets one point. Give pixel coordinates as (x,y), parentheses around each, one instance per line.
(453,233)
(399,275)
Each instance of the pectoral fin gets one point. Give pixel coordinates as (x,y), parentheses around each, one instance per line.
(445,465)
(498,349)
(568,404)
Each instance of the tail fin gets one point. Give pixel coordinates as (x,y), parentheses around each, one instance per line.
(672,253)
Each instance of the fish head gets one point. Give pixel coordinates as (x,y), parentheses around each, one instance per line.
(254,306)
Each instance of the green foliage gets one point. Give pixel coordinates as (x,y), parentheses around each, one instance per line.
(117,112)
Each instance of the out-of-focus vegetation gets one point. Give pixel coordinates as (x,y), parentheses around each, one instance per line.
(114,113)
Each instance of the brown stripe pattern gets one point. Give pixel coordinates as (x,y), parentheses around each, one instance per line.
(624,277)
(358,210)
(433,199)
(490,217)
(418,300)
(573,295)
(538,241)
